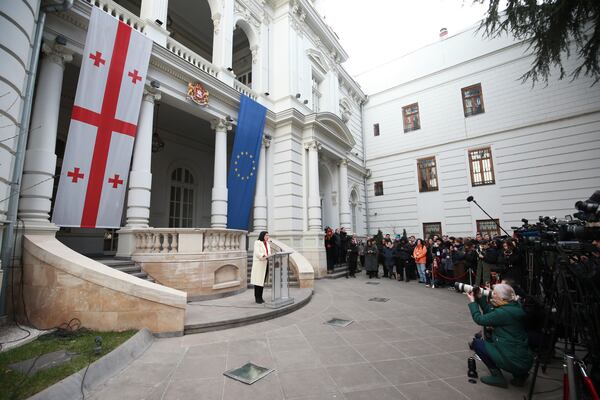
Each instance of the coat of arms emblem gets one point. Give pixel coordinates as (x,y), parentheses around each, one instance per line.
(197,93)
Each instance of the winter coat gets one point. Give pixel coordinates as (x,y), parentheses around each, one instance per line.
(509,346)
(420,254)
(259,263)
(371,263)
(388,255)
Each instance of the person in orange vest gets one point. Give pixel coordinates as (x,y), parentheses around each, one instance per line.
(420,256)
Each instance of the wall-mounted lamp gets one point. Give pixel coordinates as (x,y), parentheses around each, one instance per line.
(229,69)
(305,101)
(158,22)
(228,118)
(60,40)
(155,84)
(267,93)
(298,95)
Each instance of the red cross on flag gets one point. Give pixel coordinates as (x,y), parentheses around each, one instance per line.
(95,167)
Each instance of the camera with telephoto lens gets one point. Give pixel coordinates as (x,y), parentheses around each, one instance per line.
(464,288)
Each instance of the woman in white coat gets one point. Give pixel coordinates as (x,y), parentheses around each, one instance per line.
(259,265)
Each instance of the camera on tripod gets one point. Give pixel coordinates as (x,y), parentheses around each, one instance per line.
(477,291)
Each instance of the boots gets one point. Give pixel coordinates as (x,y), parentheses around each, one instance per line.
(519,380)
(495,379)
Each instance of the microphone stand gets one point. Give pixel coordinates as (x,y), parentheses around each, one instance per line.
(490,217)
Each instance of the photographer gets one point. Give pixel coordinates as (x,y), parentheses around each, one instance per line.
(508,348)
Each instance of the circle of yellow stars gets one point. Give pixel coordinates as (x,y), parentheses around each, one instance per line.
(237,166)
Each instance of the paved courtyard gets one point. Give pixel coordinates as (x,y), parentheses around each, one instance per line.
(411,347)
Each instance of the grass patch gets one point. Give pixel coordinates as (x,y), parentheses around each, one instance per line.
(16,385)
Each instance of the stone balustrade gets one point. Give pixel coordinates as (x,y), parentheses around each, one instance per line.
(243,89)
(188,55)
(187,240)
(119,12)
(203,262)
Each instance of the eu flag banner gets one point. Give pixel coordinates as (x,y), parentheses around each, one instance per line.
(243,167)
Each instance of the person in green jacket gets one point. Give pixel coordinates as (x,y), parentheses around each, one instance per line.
(508,348)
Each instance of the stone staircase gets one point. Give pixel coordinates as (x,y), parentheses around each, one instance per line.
(293,278)
(124,265)
(339,271)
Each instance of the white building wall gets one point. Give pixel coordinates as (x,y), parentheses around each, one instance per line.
(544,143)
(17,30)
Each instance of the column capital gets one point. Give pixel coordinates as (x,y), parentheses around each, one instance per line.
(216,22)
(313,145)
(220,124)
(151,95)
(343,162)
(266,141)
(57,53)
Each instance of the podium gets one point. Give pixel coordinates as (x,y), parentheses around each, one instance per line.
(280,290)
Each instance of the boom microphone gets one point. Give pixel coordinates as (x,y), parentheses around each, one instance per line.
(470,199)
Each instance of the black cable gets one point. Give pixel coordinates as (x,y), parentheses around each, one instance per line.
(20,384)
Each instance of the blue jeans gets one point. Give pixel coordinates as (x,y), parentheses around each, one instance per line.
(478,346)
(421,270)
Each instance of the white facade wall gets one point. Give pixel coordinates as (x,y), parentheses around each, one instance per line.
(17,30)
(544,141)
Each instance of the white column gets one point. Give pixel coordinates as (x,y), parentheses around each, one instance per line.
(314,200)
(152,11)
(40,157)
(223,40)
(260,196)
(345,218)
(140,177)
(218,215)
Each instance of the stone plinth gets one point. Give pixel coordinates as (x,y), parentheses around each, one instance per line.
(60,284)
(204,263)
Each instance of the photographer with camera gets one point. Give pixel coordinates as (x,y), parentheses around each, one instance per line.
(508,347)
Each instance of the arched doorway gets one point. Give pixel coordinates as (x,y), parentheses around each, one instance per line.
(241,60)
(191,24)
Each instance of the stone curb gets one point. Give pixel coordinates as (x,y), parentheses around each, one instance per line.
(99,371)
(237,322)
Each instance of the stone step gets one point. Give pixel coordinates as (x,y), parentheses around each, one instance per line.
(339,271)
(125,265)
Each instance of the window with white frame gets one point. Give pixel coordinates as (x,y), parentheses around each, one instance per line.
(181,202)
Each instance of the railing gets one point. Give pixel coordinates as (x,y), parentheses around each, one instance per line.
(188,55)
(156,242)
(119,12)
(188,240)
(243,89)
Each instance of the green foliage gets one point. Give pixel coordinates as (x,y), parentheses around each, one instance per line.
(16,385)
(553,27)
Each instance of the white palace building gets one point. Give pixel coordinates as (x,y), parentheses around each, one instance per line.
(452,120)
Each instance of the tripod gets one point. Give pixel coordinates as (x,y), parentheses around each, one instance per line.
(570,312)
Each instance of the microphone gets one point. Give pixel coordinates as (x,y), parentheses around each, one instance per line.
(470,199)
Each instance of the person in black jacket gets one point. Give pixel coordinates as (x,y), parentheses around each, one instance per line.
(509,260)
(471,259)
(330,249)
(352,256)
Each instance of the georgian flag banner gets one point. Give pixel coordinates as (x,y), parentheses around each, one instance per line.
(103,125)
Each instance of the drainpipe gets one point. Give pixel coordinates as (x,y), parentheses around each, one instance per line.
(15,184)
(362,130)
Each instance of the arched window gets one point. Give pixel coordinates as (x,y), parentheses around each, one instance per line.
(181,203)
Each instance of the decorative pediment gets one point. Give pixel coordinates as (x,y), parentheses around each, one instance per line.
(336,127)
(318,60)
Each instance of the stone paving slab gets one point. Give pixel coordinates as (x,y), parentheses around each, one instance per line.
(411,347)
